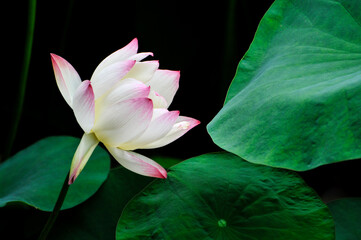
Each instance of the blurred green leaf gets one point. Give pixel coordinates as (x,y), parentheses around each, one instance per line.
(35,175)
(347,215)
(220,196)
(296,97)
(97,218)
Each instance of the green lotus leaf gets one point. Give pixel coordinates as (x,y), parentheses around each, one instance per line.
(221,196)
(35,175)
(295,100)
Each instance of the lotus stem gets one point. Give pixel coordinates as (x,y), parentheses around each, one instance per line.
(53,216)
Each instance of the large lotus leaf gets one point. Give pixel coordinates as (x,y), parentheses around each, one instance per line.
(221,196)
(295,100)
(347,215)
(35,175)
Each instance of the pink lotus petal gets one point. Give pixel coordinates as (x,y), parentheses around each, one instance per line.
(143,71)
(182,126)
(123,121)
(83,106)
(85,149)
(161,123)
(138,163)
(66,77)
(166,83)
(104,80)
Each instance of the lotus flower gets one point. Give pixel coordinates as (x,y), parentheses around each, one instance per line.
(124,106)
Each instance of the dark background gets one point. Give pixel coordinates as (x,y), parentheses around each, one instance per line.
(203,39)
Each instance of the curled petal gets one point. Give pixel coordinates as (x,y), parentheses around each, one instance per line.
(123,121)
(122,54)
(161,123)
(85,149)
(140,56)
(143,71)
(166,83)
(104,80)
(138,163)
(83,106)
(66,77)
(182,125)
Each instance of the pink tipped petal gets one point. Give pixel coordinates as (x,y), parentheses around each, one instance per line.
(83,106)
(143,71)
(166,83)
(158,100)
(140,56)
(138,163)
(122,54)
(123,121)
(162,122)
(85,149)
(105,79)
(66,77)
(182,125)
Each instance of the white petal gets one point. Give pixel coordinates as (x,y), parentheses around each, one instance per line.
(122,54)
(158,100)
(126,89)
(140,56)
(104,80)
(182,125)
(83,106)
(165,83)
(123,121)
(66,77)
(138,163)
(161,123)
(85,149)
(143,71)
